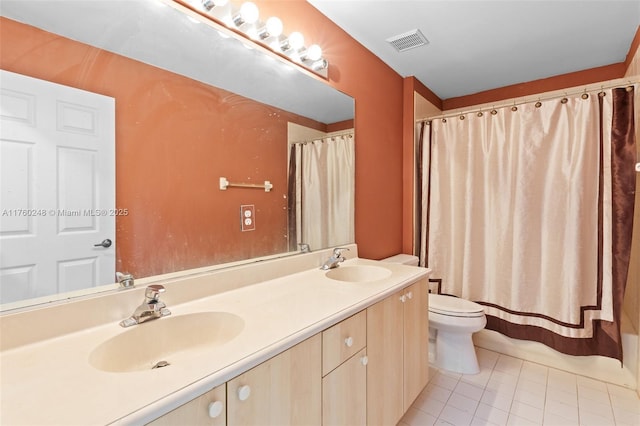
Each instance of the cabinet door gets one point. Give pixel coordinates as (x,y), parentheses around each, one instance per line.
(384,371)
(344,400)
(416,341)
(208,409)
(285,390)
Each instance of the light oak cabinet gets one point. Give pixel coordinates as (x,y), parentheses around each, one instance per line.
(397,346)
(344,369)
(344,393)
(367,369)
(284,390)
(208,409)
(416,341)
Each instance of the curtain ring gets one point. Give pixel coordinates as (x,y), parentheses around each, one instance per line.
(564,100)
(602,94)
(585,95)
(444,120)
(462,117)
(514,108)
(538,104)
(494,112)
(479,114)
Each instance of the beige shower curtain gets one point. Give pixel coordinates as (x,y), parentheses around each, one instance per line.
(528,211)
(324,191)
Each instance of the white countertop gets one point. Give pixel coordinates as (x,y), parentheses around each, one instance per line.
(52,381)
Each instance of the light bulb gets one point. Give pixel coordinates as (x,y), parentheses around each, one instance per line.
(248,14)
(313,53)
(296,40)
(272,28)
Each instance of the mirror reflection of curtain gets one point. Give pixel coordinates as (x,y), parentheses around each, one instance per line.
(530,213)
(323,192)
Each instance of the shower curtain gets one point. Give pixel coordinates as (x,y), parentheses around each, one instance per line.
(528,211)
(321,192)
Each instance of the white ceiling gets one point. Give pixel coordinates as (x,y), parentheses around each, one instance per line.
(479,45)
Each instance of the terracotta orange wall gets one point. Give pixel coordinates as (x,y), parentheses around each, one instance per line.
(174,138)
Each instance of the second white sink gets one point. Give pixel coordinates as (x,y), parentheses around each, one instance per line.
(358,273)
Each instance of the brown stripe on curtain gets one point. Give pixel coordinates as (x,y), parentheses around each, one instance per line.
(429,128)
(606,338)
(291,204)
(418,161)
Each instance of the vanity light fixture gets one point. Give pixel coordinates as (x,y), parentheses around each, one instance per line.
(244,21)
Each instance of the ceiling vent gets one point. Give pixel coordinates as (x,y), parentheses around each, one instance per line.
(408,40)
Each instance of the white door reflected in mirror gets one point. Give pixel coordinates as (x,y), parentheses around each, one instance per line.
(57,223)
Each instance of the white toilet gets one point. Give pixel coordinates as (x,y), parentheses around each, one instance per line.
(452,321)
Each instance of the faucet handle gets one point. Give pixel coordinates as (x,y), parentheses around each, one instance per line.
(152,293)
(337,252)
(125,279)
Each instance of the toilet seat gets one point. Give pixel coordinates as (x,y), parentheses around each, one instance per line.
(454,306)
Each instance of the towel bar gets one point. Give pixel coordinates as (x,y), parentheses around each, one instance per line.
(224,184)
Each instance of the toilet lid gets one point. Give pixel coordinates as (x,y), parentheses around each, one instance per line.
(449,305)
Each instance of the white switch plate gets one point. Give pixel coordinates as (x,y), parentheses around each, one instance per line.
(247,217)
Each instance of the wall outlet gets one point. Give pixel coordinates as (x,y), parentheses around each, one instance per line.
(247,217)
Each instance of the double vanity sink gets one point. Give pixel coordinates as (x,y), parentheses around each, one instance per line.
(106,374)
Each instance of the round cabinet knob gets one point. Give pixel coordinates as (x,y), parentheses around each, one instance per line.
(243,392)
(215,409)
(364,360)
(348,341)
(409,295)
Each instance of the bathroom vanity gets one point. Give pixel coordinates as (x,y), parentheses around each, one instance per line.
(272,342)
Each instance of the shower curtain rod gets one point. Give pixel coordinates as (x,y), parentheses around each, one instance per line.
(332,135)
(503,104)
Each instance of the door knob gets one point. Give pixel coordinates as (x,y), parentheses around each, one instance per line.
(105,243)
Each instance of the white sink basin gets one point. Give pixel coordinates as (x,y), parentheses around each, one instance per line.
(358,273)
(165,341)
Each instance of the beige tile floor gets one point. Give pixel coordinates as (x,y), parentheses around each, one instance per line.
(510,391)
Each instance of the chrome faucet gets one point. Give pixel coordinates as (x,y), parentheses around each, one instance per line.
(335,259)
(152,308)
(304,248)
(125,279)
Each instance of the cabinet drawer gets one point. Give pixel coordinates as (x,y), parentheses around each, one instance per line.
(343,340)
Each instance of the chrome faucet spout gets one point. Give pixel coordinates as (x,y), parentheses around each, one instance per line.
(335,259)
(152,307)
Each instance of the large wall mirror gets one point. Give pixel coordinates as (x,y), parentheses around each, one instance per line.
(190,104)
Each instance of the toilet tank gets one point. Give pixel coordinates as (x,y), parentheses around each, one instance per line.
(405,259)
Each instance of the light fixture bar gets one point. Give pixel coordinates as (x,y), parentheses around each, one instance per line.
(244,22)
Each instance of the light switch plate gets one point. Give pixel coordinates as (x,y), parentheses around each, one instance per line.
(247,217)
